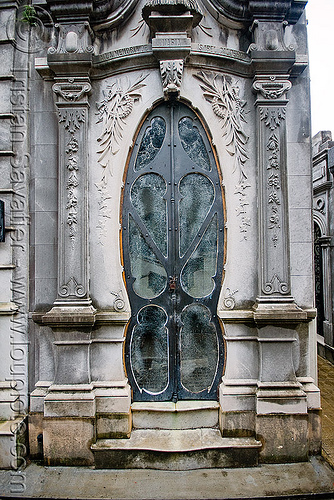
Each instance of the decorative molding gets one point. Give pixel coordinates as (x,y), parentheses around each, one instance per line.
(222,92)
(73,38)
(235,11)
(114,108)
(171,75)
(320,205)
(112,111)
(72,184)
(72,119)
(73,90)
(272,88)
(272,117)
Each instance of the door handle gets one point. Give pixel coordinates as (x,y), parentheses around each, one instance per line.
(172,283)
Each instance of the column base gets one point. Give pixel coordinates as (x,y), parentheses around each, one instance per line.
(284,437)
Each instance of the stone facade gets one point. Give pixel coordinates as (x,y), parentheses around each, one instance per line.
(323,164)
(80,82)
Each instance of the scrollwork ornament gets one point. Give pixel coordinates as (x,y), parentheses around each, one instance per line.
(72,288)
(116,105)
(229,301)
(276,285)
(118,303)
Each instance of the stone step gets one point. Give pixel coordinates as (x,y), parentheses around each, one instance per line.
(180,415)
(175,450)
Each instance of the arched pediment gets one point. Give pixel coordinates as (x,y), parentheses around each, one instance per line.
(246,11)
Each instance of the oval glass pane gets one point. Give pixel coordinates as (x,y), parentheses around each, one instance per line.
(193,143)
(147,196)
(198,273)
(150,277)
(198,193)
(151,142)
(149,350)
(199,348)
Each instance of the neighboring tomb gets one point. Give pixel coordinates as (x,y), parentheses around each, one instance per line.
(323,164)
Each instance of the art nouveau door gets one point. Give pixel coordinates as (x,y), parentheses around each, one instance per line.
(173,245)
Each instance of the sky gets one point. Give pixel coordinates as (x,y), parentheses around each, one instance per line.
(320,16)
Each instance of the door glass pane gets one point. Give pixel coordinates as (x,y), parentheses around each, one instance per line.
(149,274)
(197,274)
(193,144)
(147,196)
(151,142)
(149,350)
(197,193)
(199,348)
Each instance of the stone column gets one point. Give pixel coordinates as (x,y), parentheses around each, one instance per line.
(69,406)
(281,402)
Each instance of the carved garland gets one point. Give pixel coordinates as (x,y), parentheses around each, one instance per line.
(115,107)
(272,118)
(72,121)
(223,94)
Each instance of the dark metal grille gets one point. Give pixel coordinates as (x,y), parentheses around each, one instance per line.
(319,293)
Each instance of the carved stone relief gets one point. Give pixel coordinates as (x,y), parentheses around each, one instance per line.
(171,75)
(223,93)
(114,108)
(271,106)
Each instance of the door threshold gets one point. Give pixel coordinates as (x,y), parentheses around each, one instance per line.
(179,406)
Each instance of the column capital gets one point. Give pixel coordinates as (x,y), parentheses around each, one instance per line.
(272,88)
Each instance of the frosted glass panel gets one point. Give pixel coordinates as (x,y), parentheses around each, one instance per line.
(151,142)
(199,348)
(198,273)
(149,350)
(150,277)
(197,193)
(193,144)
(147,198)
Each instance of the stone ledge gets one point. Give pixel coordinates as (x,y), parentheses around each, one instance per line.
(267,313)
(86,315)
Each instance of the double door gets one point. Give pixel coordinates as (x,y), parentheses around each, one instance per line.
(173,245)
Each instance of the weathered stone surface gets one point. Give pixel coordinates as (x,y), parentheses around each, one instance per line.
(70,129)
(175,450)
(288,443)
(67,441)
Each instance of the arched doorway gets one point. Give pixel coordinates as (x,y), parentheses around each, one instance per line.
(318,271)
(173,255)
